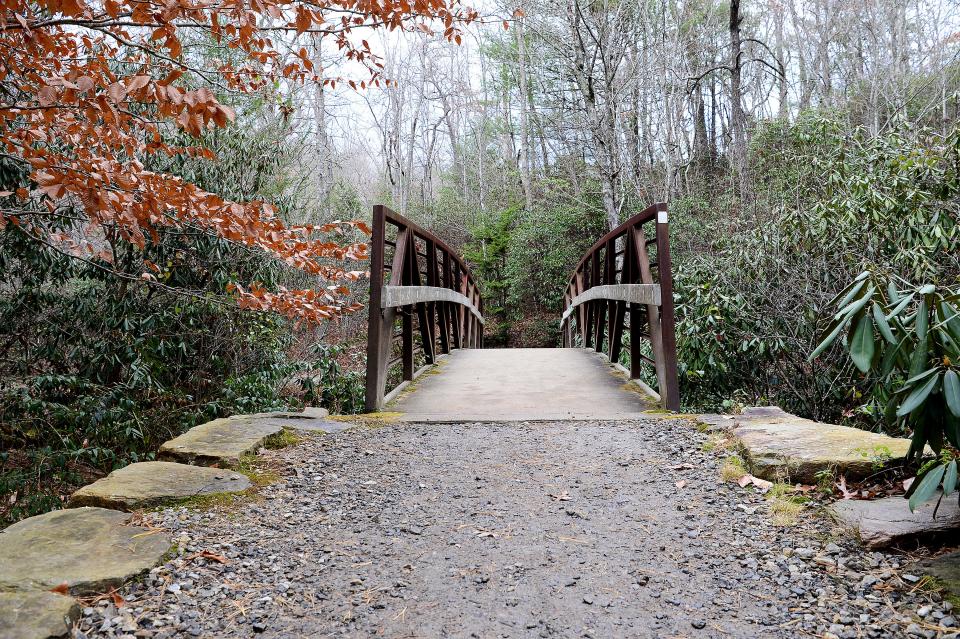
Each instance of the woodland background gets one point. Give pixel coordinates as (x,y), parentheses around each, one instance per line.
(797,143)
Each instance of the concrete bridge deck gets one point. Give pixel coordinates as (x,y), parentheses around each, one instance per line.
(522,384)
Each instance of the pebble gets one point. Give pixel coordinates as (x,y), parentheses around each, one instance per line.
(323,552)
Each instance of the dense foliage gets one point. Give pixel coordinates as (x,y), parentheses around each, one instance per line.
(754,279)
(523,260)
(98,370)
(909,340)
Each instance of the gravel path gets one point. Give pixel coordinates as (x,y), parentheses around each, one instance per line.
(567,529)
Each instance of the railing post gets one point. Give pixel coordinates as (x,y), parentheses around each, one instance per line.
(670,393)
(379,321)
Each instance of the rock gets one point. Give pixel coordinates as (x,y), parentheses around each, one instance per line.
(712,422)
(89,549)
(36,614)
(887,521)
(222,441)
(945,569)
(311,419)
(780,446)
(149,484)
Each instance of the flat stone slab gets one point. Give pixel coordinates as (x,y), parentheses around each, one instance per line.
(223,440)
(226,440)
(713,422)
(521,384)
(888,521)
(945,569)
(148,484)
(781,446)
(91,550)
(36,614)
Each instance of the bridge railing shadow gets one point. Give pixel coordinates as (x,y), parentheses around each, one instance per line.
(622,291)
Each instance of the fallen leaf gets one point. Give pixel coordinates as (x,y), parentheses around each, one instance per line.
(681,483)
(762,484)
(908,482)
(842,485)
(62,589)
(118,601)
(206,554)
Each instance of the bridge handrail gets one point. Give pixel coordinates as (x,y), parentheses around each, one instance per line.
(439,289)
(618,269)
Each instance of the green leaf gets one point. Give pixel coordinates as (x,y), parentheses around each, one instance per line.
(951,390)
(952,320)
(892,292)
(843,297)
(919,358)
(951,428)
(862,346)
(882,324)
(922,321)
(927,487)
(917,397)
(925,374)
(890,358)
(902,304)
(825,344)
(926,289)
(950,479)
(853,307)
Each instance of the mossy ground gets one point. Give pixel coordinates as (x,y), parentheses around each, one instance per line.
(284,438)
(733,469)
(370,420)
(785,505)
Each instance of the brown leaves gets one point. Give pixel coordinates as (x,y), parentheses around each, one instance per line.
(208,555)
(98,93)
(762,484)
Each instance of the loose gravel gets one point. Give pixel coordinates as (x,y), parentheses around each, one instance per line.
(565,529)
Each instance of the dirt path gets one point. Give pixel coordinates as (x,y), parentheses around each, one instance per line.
(566,529)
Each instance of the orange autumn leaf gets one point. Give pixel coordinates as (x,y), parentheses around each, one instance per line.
(99,81)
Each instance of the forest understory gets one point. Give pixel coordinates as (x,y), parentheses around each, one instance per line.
(805,150)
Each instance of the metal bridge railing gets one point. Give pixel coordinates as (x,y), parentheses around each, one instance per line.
(617,287)
(413,274)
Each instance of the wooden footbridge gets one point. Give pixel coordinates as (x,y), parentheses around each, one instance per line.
(426,316)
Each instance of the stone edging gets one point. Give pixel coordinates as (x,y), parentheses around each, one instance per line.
(94,545)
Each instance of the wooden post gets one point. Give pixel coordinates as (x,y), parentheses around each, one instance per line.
(380,320)
(670,391)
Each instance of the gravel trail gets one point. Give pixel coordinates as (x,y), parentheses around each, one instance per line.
(563,529)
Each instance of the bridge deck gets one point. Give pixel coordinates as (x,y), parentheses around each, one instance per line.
(521,384)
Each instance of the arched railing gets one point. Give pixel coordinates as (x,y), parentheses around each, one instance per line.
(414,275)
(623,285)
